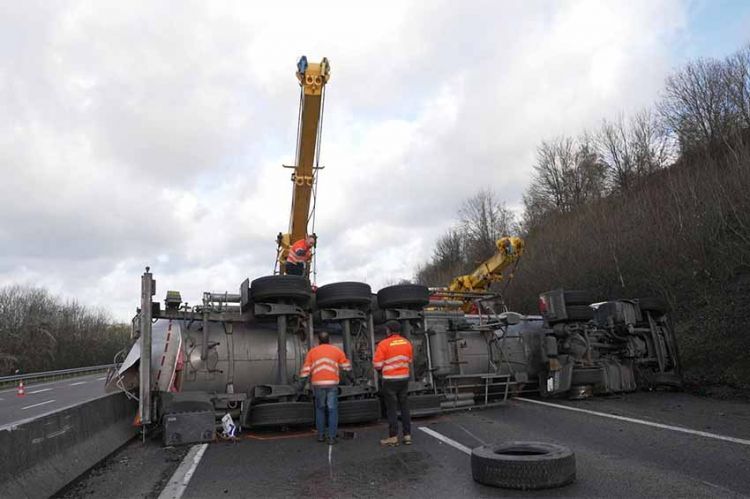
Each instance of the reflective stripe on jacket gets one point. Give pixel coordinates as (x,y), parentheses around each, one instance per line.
(299,252)
(393,356)
(322,364)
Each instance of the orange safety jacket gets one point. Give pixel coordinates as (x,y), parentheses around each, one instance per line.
(393,356)
(322,363)
(299,252)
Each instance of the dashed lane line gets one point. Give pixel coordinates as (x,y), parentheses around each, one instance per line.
(40,391)
(37,405)
(181,478)
(79,383)
(446,440)
(679,429)
(102,378)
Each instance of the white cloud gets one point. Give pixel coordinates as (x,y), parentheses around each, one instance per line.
(144,133)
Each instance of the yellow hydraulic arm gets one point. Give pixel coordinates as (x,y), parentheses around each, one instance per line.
(509,250)
(312,79)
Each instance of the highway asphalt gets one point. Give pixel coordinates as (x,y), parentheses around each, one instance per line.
(48,397)
(637,445)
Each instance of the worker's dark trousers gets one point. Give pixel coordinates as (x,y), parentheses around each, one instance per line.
(295,268)
(396,399)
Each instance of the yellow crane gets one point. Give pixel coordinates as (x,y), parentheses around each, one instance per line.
(509,250)
(312,79)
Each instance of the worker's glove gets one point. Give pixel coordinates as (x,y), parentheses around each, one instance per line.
(299,386)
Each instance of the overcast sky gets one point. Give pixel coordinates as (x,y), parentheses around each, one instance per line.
(153,133)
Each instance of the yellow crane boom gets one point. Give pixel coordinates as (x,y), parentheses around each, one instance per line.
(312,79)
(509,250)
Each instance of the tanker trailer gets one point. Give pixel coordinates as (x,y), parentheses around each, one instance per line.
(240,354)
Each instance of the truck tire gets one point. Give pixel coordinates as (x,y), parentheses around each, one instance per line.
(343,294)
(578,297)
(281,414)
(273,288)
(404,296)
(359,410)
(653,304)
(523,465)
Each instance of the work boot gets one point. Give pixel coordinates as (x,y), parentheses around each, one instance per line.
(407,440)
(332,441)
(390,442)
(321,438)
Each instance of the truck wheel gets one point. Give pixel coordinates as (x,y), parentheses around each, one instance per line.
(281,414)
(653,304)
(281,287)
(359,410)
(578,297)
(670,379)
(523,465)
(342,294)
(404,295)
(424,405)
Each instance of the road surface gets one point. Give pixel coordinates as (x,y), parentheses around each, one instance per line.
(643,444)
(43,398)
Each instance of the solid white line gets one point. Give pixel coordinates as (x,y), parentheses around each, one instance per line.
(37,405)
(446,440)
(706,434)
(40,391)
(179,481)
(79,383)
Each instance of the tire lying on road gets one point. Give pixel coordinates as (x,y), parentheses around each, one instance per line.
(523,465)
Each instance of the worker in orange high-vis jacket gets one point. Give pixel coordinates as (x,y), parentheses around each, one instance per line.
(322,365)
(299,254)
(392,358)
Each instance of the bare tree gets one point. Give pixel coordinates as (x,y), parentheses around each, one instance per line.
(737,82)
(697,104)
(484,219)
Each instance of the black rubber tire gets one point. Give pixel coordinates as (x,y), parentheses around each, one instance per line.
(579,313)
(274,414)
(359,410)
(273,288)
(578,297)
(421,406)
(343,294)
(404,296)
(523,465)
(653,304)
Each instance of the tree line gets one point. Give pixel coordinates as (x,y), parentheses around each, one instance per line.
(654,204)
(40,332)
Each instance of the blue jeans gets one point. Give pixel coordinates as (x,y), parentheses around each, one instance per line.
(326,396)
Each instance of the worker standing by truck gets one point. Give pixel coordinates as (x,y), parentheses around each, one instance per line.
(299,254)
(322,365)
(392,357)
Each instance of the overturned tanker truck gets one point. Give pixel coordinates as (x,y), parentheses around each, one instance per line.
(239,353)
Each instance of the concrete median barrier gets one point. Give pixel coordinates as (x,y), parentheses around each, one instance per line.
(39,456)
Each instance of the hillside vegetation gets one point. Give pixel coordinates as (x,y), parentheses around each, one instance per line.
(657,204)
(39,332)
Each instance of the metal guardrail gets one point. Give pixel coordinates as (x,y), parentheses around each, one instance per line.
(45,375)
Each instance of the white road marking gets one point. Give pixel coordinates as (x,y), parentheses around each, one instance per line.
(79,383)
(179,481)
(40,391)
(102,378)
(446,440)
(706,434)
(37,405)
